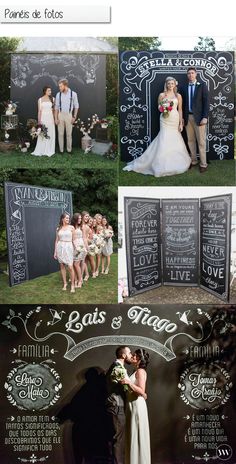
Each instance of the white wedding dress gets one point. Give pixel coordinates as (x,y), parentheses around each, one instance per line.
(167,154)
(137,450)
(46,146)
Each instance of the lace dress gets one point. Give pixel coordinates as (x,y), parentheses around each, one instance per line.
(78,242)
(46,146)
(64,247)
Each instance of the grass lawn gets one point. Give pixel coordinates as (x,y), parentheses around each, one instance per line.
(77,159)
(218,173)
(48,289)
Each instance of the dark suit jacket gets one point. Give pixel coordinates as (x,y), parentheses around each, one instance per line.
(200,102)
(115,391)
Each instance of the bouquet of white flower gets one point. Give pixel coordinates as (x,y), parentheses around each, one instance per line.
(108,233)
(119,373)
(93,249)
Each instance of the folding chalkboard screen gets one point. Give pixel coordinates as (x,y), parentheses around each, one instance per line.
(215,214)
(32,216)
(165,244)
(143,238)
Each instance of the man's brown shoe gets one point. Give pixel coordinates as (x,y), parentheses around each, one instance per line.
(202,169)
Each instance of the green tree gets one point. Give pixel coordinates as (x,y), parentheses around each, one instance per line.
(206,44)
(8,45)
(139,43)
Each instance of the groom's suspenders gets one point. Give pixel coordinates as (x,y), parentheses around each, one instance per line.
(70,101)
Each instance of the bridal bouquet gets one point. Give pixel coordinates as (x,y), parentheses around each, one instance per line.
(165,107)
(36,130)
(119,373)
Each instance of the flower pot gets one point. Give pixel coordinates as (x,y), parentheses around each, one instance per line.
(86,142)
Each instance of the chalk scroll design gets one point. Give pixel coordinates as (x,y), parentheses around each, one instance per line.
(142,72)
(221,122)
(18,197)
(29,68)
(205,326)
(33,459)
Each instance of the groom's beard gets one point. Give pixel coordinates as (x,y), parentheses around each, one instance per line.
(128,361)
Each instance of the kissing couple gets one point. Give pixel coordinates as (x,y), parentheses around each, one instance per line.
(126,407)
(167,154)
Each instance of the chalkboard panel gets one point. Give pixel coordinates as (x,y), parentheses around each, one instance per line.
(215,236)
(32,215)
(142,77)
(142,226)
(180,230)
(86,75)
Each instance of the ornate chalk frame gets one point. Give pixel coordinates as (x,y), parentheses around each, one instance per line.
(15,215)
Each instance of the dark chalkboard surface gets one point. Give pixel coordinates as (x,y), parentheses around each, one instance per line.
(32,215)
(86,75)
(142,226)
(142,77)
(180,231)
(215,222)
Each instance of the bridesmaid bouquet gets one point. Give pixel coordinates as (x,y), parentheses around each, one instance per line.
(108,233)
(119,373)
(165,107)
(80,248)
(93,249)
(99,240)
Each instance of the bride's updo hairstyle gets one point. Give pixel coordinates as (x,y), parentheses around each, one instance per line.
(45,90)
(143,355)
(168,79)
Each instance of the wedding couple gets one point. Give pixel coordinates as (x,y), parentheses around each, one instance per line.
(61,112)
(127,410)
(167,155)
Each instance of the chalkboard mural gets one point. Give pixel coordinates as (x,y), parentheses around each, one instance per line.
(32,215)
(53,391)
(180,225)
(86,75)
(215,244)
(142,219)
(142,76)
(173,226)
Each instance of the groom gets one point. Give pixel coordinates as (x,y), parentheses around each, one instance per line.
(66,109)
(115,406)
(195,97)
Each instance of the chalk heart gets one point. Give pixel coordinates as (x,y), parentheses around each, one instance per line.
(33,386)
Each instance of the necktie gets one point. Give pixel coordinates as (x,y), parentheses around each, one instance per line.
(191,98)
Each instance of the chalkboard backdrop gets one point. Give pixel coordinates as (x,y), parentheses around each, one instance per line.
(142,220)
(32,215)
(215,244)
(64,352)
(176,259)
(86,75)
(142,77)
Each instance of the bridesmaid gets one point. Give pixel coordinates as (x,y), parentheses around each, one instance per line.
(87,231)
(79,240)
(98,231)
(92,225)
(64,250)
(107,250)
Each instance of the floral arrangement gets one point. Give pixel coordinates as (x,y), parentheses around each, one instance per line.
(23,145)
(80,248)
(36,130)
(87,127)
(165,107)
(10,107)
(105,123)
(112,153)
(119,373)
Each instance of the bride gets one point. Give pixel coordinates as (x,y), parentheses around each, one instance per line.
(137,450)
(167,154)
(45,116)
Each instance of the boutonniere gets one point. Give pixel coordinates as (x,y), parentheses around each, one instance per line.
(198,83)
